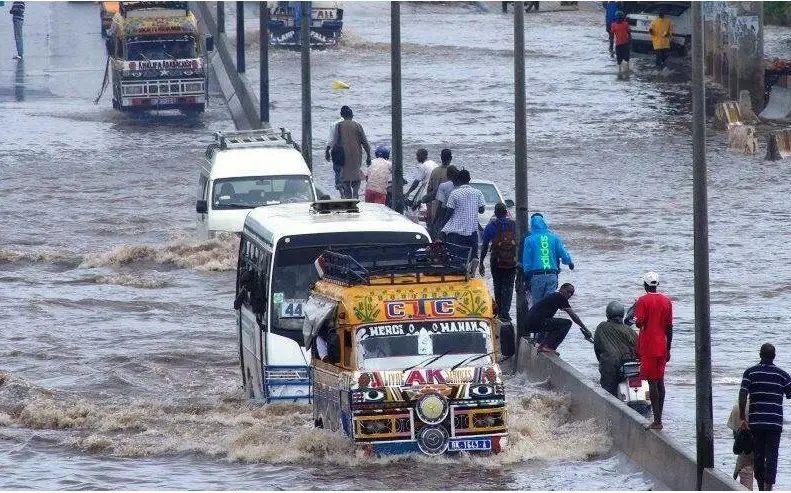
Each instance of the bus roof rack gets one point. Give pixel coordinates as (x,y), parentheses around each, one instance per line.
(263,137)
(353,266)
(124,7)
(335,205)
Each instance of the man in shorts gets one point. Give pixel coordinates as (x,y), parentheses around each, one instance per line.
(620,29)
(653,315)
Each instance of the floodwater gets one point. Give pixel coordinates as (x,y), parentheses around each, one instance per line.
(117,350)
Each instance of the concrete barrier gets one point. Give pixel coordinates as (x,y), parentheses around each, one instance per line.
(742,139)
(240,97)
(655,452)
(727,114)
(778,145)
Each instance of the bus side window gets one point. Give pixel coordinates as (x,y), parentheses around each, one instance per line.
(347,349)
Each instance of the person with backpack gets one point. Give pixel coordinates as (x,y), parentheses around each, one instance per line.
(501,234)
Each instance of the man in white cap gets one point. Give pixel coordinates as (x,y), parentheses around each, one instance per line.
(653,315)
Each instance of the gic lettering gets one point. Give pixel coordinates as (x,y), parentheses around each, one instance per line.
(419,309)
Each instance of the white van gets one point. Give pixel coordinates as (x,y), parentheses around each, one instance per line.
(278,248)
(247,169)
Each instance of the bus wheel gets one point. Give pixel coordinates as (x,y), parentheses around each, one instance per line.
(319,423)
(193,111)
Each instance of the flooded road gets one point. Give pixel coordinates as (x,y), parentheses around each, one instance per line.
(118,366)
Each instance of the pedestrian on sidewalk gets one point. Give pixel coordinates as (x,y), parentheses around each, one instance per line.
(765,384)
(542,253)
(379,173)
(653,315)
(334,153)
(18,17)
(623,38)
(661,30)
(743,471)
(465,203)
(501,233)
(552,331)
(614,344)
(610,9)
(351,137)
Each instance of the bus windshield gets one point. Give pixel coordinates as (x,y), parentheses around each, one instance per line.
(402,345)
(172,48)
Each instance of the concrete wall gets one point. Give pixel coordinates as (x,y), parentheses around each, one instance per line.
(240,97)
(655,452)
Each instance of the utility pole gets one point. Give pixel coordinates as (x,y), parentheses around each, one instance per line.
(520,153)
(395,77)
(220,18)
(703,398)
(263,27)
(240,37)
(307,140)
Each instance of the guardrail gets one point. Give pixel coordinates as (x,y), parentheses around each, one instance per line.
(240,97)
(655,452)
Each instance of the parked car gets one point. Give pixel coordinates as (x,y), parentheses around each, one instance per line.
(679,14)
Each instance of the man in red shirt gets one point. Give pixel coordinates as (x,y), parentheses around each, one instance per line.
(653,314)
(620,29)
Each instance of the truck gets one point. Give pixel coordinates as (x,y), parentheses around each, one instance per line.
(285,21)
(157,58)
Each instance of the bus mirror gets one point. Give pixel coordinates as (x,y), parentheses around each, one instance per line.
(209,43)
(201,207)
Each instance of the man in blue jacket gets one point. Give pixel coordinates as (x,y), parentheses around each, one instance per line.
(542,253)
(610,9)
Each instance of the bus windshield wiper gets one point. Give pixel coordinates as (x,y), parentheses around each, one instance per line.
(428,361)
(470,360)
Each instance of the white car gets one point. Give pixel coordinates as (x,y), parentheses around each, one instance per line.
(679,14)
(491,195)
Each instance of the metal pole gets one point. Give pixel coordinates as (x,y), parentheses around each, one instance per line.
(307,141)
(240,37)
(263,27)
(395,103)
(520,152)
(703,398)
(220,18)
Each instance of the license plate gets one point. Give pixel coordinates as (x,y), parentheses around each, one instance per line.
(291,309)
(459,445)
(156,101)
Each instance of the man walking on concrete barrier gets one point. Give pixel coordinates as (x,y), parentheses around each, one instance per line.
(653,315)
(614,343)
(501,233)
(542,253)
(765,384)
(552,331)
(351,137)
(18,17)
(661,30)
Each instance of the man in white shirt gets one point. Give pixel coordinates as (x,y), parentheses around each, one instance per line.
(465,203)
(423,171)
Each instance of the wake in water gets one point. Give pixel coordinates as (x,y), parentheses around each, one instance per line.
(231,428)
(219,254)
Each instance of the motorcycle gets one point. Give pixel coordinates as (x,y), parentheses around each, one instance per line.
(632,388)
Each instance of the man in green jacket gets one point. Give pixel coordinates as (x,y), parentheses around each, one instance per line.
(614,344)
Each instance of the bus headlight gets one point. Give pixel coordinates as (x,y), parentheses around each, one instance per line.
(432,408)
